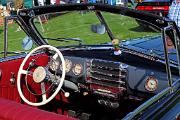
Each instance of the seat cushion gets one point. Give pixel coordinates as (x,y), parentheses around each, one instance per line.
(11,110)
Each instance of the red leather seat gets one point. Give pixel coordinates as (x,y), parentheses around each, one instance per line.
(11,110)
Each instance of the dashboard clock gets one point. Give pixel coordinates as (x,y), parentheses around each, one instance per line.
(151,84)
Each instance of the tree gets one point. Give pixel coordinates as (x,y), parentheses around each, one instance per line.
(18,4)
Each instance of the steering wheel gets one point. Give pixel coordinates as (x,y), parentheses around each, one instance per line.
(39,76)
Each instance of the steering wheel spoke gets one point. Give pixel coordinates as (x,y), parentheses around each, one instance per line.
(23,71)
(30,73)
(39,76)
(55,56)
(44,98)
(43,90)
(26,72)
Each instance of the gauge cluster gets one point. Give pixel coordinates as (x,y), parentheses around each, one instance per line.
(74,66)
(96,71)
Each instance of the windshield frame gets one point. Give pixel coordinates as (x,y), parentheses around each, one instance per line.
(26,16)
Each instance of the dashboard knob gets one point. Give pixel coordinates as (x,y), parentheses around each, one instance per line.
(66,94)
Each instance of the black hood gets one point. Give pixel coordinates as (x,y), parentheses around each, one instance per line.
(151,46)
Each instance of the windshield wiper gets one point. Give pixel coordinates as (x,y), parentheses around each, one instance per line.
(66,39)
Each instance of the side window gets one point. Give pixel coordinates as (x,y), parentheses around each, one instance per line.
(170,37)
(171,55)
(17,40)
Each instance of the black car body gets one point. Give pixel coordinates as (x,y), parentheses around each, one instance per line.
(105,80)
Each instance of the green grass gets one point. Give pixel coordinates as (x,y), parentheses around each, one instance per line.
(14,38)
(77,25)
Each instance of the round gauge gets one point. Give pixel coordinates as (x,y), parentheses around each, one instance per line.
(151,84)
(53,65)
(77,70)
(68,65)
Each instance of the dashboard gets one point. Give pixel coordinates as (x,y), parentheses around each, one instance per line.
(112,80)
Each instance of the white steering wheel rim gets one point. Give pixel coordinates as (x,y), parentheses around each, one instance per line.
(21,69)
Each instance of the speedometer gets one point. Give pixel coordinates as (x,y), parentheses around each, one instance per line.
(77,70)
(53,65)
(68,65)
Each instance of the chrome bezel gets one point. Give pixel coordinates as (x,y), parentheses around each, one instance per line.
(74,69)
(68,65)
(54,65)
(147,87)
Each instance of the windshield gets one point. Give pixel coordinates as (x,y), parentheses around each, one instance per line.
(84,27)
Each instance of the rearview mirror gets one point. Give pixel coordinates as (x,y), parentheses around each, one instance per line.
(98,28)
(27,43)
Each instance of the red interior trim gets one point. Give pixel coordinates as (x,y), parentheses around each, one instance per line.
(11,110)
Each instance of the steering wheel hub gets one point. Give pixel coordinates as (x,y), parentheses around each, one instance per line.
(39,74)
